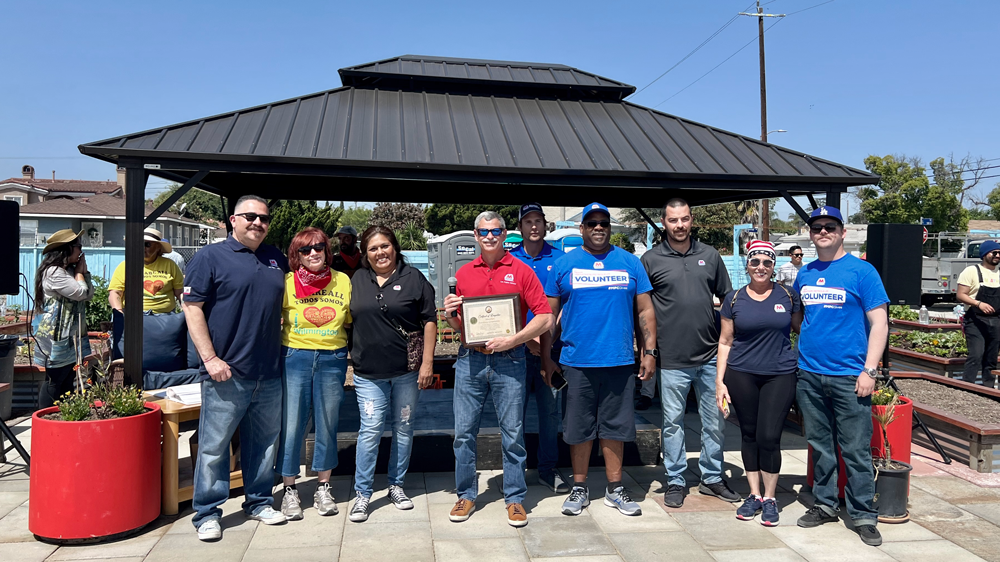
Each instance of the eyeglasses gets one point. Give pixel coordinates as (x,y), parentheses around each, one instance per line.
(755,262)
(306,250)
(595,224)
(484,232)
(830,227)
(994,253)
(796,255)
(251,217)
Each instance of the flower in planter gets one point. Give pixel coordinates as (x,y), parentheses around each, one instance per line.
(887,398)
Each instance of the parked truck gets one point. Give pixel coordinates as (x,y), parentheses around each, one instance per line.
(946,255)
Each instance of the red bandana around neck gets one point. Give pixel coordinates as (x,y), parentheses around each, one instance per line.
(351,261)
(308,283)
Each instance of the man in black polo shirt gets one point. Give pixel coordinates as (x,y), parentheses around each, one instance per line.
(232,302)
(686,274)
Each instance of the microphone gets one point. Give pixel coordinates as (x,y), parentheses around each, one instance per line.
(452,282)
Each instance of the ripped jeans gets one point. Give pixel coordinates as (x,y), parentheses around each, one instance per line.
(381,400)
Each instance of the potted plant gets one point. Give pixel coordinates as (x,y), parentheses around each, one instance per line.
(892,476)
(95,470)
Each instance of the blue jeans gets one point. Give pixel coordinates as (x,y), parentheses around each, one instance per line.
(834,415)
(548,413)
(476,376)
(377,397)
(314,385)
(675,384)
(255,407)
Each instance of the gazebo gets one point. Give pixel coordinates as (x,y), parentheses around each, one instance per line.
(432,129)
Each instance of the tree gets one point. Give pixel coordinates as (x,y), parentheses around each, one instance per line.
(411,237)
(621,240)
(395,216)
(904,194)
(445,218)
(290,216)
(993,201)
(357,217)
(199,205)
(713,224)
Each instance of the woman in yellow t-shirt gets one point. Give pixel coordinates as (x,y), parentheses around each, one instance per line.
(162,280)
(315,313)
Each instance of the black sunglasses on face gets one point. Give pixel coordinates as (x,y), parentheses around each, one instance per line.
(830,227)
(306,250)
(150,244)
(251,217)
(755,262)
(994,253)
(796,255)
(595,224)
(484,232)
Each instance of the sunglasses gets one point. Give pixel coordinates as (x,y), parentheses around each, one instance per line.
(830,227)
(150,244)
(796,255)
(306,250)
(484,232)
(755,262)
(595,224)
(994,253)
(251,217)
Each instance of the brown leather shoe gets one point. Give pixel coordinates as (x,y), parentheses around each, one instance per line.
(516,515)
(462,510)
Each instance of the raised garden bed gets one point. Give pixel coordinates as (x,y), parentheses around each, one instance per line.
(974,432)
(941,366)
(909,325)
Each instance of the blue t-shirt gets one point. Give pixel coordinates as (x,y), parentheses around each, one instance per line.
(541,264)
(761,330)
(596,295)
(835,296)
(242,291)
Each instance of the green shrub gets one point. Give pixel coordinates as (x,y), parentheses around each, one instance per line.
(74,406)
(940,344)
(98,307)
(901,312)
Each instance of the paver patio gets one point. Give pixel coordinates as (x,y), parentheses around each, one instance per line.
(953,520)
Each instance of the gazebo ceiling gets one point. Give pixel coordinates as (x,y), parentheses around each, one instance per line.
(431,129)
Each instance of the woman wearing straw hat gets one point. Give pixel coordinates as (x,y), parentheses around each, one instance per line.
(62,289)
(162,280)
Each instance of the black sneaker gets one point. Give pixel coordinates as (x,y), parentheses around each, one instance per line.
(816,516)
(674,496)
(643,403)
(720,490)
(869,535)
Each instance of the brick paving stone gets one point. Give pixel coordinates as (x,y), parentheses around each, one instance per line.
(481,550)
(928,551)
(988,511)
(925,508)
(831,542)
(564,536)
(14,526)
(137,546)
(185,547)
(656,547)
(955,490)
(978,536)
(488,521)
(769,554)
(25,551)
(599,558)
(723,531)
(389,542)
(11,500)
(293,553)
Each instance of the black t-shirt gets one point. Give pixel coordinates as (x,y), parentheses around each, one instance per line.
(379,350)
(761,331)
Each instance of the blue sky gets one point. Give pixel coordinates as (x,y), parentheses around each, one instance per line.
(846,79)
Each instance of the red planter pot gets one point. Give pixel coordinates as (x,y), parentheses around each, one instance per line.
(94,479)
(900,437)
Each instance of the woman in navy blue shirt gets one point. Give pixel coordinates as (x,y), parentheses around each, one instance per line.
(756,374)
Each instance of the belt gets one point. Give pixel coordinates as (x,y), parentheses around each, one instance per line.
(482,349)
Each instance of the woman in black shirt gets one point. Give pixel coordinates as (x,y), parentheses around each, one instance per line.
(392,305)
(756,374)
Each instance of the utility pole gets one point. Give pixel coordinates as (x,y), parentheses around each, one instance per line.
(765,211)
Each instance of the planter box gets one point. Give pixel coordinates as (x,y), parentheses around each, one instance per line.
(959,435)
(907,325)
(946,367)
(15,328)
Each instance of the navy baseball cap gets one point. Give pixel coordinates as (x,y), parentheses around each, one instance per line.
(592,208)
(825,212)
(530,208)
(988,246)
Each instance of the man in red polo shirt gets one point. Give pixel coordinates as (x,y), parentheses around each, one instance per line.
(496,368)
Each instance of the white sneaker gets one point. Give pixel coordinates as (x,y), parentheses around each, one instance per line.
(323,500)
(291,506)
(268,516)
(210,530)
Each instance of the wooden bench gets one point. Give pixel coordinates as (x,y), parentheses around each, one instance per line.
(6,432)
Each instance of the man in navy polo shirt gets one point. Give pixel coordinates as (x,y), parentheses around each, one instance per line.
(538,254)
(843,335)
(232,302)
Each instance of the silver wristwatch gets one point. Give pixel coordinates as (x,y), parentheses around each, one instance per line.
(871,372)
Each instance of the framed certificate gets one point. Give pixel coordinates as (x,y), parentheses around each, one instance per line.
(493,316)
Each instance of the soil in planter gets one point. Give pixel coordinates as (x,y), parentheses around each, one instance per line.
(57,416)
(976,407)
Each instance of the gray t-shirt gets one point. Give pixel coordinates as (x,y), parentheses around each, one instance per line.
(687,332)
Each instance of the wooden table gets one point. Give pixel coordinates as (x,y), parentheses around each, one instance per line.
(173,414)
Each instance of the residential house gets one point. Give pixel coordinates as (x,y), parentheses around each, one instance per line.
(27,189)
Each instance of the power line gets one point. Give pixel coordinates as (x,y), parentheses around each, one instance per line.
(809,8)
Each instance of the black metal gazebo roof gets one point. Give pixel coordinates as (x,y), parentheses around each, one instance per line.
(432,129)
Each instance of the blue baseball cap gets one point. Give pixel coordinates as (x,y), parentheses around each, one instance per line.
(825,212)
(988,246)
(593,208)
(530,208)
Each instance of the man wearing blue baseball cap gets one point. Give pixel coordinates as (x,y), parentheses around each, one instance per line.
(979,290)
(843,335)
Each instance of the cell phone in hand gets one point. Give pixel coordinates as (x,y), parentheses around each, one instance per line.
(725,408)
(558,380)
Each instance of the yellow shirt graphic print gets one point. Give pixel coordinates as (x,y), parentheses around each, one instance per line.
(317,321)
(159,281)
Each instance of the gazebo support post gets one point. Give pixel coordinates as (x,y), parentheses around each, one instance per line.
(174,197)
(833,199)
(135,211)
(795,205)
(651,222)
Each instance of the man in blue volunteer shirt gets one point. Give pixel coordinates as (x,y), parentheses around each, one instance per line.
(232,303)
(595,287)
(540,256)
(843,335)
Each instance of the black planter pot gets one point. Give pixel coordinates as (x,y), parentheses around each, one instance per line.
(892,488)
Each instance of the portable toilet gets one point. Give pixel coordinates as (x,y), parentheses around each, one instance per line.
(512,241)
(565,239)
(445,254)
